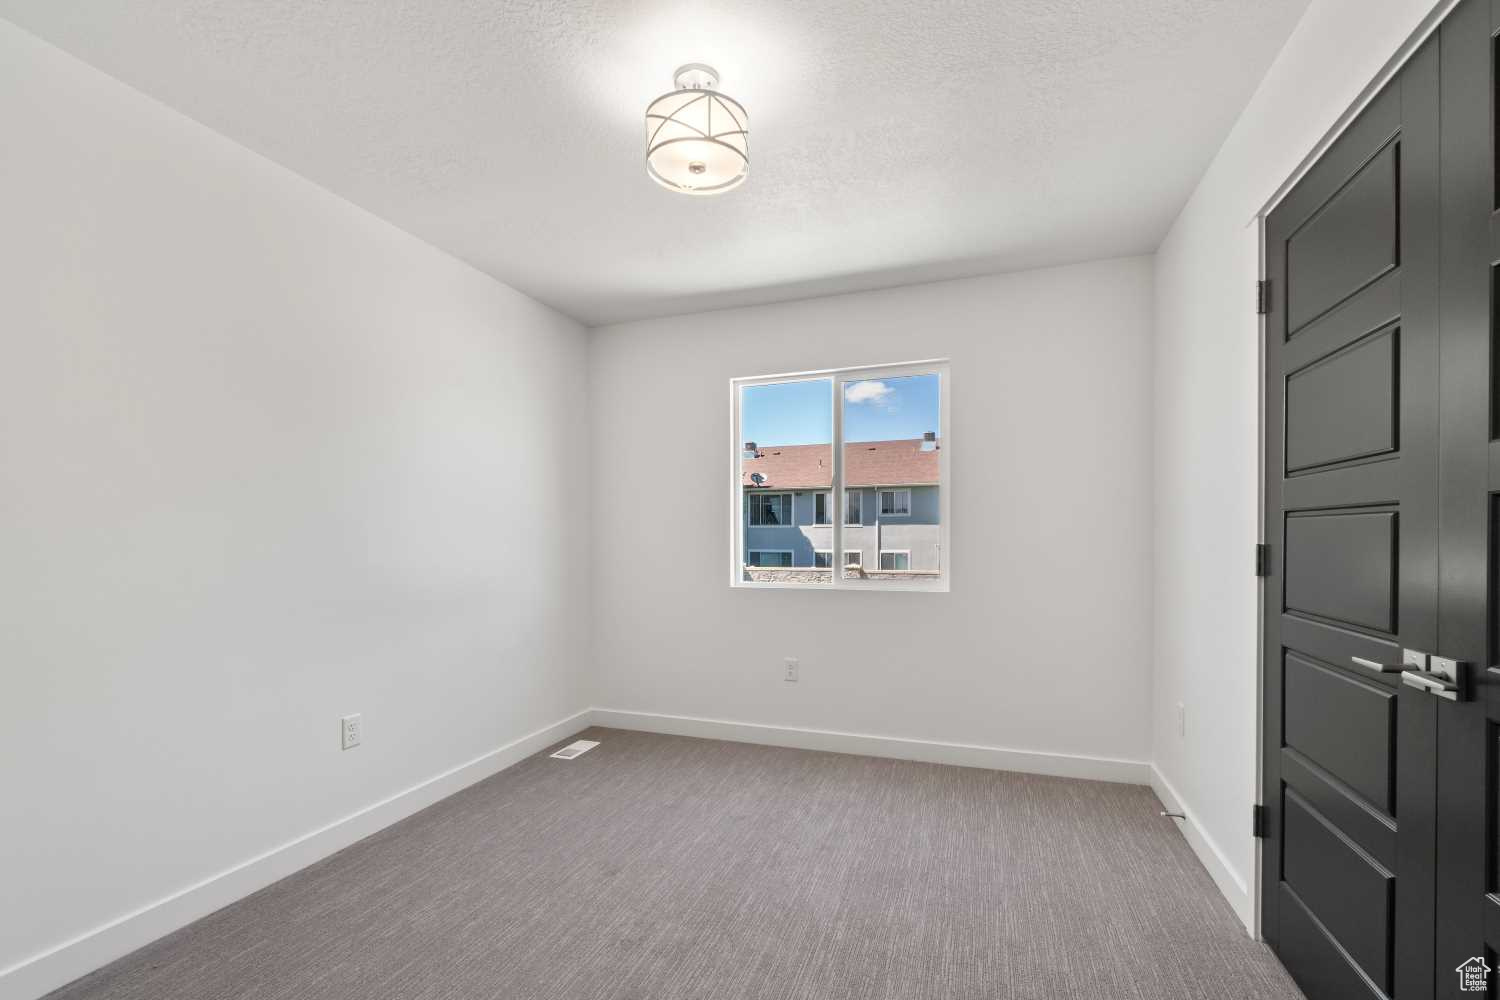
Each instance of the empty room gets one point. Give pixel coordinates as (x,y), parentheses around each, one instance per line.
(650,500)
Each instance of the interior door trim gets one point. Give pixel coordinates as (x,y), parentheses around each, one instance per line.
(1398,60)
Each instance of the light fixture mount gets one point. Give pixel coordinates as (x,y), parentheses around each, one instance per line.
(696,76)
(697,139)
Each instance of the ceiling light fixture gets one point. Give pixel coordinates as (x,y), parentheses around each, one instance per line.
(697,139)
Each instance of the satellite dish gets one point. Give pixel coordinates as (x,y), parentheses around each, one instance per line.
(757,479)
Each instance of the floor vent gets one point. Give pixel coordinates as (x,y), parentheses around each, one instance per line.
(575,748)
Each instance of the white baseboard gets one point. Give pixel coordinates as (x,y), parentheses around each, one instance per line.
(1231,885)
(1133,772)
(32,977)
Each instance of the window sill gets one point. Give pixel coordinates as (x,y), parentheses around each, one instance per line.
(854,578)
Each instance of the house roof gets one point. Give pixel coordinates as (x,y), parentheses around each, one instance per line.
(866,463)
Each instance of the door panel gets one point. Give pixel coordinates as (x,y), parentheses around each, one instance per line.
(1313,956)
(1348,243)
(1348,889)
(1360,751)
(1343,406)
(1351,498)
(1343,566)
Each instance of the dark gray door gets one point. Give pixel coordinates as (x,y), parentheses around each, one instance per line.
(1468,853)
(1351,513)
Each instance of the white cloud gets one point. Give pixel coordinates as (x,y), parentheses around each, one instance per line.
(867,392)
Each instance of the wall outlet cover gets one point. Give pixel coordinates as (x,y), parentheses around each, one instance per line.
(349,728)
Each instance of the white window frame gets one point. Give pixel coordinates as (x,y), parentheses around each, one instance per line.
(791,506)
(821,552)
(857,493)
(880,560)
(880,503)
(838,378)
(791,557)
(859,557)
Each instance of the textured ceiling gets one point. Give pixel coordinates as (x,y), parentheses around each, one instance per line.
(891,140)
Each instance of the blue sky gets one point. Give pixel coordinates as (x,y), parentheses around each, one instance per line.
(874,410)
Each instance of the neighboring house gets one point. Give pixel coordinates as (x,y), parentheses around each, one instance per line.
(891,517)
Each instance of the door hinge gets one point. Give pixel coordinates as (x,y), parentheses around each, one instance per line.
(1262,559)
(1258,821)
(1263,297)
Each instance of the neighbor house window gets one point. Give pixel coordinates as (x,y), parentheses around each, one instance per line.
(770,509)
(853,508)
(840,436)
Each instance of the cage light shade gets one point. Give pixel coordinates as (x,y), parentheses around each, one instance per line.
(697,139)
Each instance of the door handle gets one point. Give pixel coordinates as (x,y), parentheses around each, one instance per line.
(1380,668)
(1431,683)
(1410,658)
(1446,679)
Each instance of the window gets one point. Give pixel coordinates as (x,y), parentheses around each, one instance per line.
(770,509)
(895,503)
(895,559)
(853,509)
(871,448)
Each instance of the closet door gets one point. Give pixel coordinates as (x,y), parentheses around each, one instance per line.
(1351,507)
(1468,849)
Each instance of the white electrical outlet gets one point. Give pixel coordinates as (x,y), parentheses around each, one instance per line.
(791,669)
(1181,721)
(349,732)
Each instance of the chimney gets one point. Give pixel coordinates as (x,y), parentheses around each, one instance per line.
(929,441)
(750,450)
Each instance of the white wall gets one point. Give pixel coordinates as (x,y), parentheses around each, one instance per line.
(1207,358)
(264,460)
(1042,644)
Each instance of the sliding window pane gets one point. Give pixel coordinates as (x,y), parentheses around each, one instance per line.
(854,515)
(786,475)
(892,478)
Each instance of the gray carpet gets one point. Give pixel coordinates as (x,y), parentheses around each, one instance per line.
(660,867)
